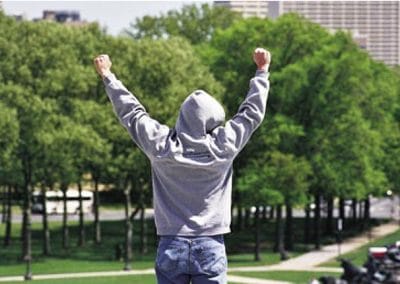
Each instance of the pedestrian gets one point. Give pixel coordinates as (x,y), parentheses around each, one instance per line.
(191,167)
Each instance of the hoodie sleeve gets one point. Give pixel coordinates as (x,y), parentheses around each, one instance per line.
(146,132)
(238,130)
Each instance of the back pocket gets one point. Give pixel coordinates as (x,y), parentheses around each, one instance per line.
(171,257)
(211,257)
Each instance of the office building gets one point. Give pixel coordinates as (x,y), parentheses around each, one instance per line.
(375,25)
(61,16)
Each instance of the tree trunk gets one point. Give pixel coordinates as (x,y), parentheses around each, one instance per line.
(360,210)
(257,235)
(279,241)
(366,213)
(307,224)
(317,221)
(46,231)
(128,228)
(354,210)
(264,212)
(4,205)
(65,234)
(271,213)
(247,214)
(289,227)
(134,213)
(143,230)
(23,228)
(278,228)
(7,237)
(329,217)
(27,240)
(342,212)
(239,224)
(81,240)
(97,224)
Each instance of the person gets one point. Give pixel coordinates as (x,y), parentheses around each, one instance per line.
(191,166)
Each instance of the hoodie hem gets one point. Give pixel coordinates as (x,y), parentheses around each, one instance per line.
(193,232)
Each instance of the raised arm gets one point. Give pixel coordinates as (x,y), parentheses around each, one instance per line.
(147,133)
(238,130)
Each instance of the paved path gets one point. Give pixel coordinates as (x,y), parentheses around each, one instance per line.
(311,260)
(306,262)
(231,278)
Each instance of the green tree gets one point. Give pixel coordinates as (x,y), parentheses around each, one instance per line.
(326,85)
(196,23)
(9,133)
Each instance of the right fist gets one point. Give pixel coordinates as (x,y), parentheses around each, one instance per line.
(103,65)
(262,58)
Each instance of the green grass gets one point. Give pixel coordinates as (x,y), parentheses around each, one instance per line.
(290,276)
(16,209)
(140,279)
(112,206)
(297,277)
(101,257)
(359,256)
(247,259)
(92,257)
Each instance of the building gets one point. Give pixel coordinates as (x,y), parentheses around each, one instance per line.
(61,16)
(72,18)
(247,8)
(375,25)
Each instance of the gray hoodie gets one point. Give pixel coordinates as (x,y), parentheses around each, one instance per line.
(192,162)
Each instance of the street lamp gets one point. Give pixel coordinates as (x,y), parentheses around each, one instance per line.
(389,193)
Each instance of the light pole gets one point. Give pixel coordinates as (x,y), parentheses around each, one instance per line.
(389,194)
(339,235)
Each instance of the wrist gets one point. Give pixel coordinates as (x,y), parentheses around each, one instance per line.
(263,67)
(105,73)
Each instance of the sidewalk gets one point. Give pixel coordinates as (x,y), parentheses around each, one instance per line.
(311,260)
(231,278)
(306,262)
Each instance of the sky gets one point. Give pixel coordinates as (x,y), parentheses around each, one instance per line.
(115,15)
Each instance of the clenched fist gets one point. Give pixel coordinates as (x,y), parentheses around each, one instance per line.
(103,65)
(262,58)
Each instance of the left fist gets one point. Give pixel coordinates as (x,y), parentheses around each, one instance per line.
(103,65)
(262,58)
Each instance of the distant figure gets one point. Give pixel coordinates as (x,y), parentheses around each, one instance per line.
(191,171)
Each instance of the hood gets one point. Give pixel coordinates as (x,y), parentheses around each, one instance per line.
(200,113)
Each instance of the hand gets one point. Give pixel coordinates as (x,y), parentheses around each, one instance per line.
(103,65)
(262,58)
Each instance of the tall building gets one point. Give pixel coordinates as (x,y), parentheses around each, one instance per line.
(247,8)
(61,16)
(375,25)
(70,18)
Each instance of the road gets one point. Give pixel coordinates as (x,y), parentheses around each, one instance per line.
(105,215)
(380,208)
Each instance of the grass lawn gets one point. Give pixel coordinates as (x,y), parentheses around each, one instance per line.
(117,207)
(297,277)
(140,279)
(290,276)
(101,257)
(247,259)
(92,257)
(359,256)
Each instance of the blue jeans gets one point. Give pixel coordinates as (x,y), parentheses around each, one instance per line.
(201,260)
